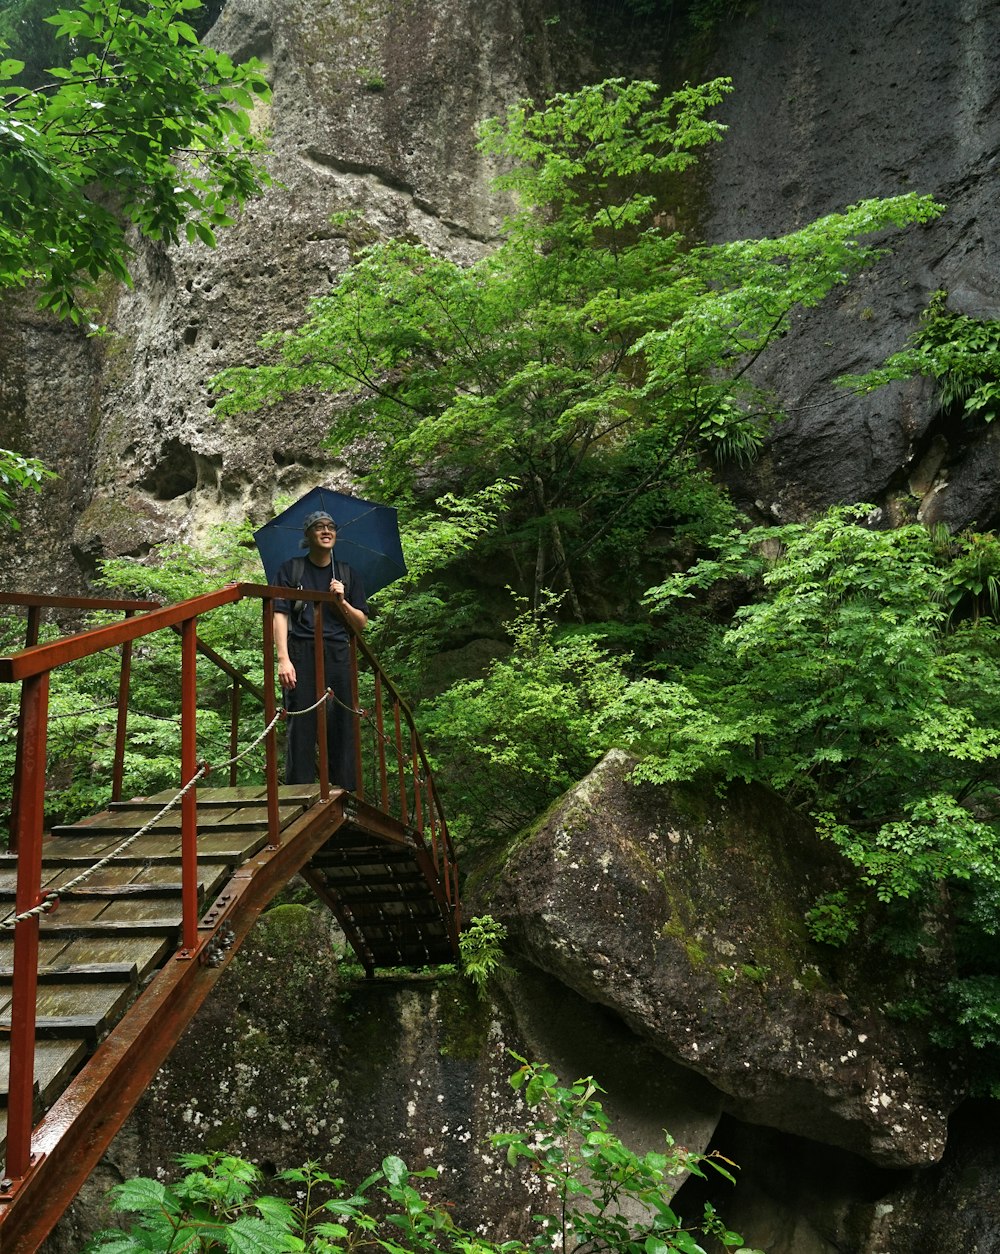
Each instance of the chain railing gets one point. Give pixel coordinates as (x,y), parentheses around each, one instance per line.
(395,769)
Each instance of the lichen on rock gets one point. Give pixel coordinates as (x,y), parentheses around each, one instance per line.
(684,913)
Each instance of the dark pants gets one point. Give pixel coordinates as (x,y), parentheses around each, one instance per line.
(300,745)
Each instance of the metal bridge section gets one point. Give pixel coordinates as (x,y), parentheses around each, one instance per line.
(117,926)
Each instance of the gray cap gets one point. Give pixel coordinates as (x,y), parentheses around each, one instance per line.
(317,516)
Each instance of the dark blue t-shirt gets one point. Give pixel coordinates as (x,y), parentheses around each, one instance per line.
(317,579)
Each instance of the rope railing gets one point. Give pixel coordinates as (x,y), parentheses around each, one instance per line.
(412,757)
(404,785)
(54,896)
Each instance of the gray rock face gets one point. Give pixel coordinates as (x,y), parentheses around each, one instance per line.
(684,915)
(796,1197)
(373,112)
(833,105)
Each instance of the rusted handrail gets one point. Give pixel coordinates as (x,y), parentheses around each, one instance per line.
(419,808)
(30,600)
(34,604)
(411,757)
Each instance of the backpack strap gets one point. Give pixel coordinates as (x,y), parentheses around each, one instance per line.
(344,573)
(295,579)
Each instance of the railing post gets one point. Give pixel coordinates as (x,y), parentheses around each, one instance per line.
(189,802)
(234,732)
(359,766)
(270,749)
(31,810)
(418,808)
(124,684)
(404,809)
(383,774)
(319,670)
(30,639)
(435,852)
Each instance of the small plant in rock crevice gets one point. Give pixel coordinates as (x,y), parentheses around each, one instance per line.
(481,948)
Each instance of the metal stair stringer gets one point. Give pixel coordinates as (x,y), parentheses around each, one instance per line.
(379,879)
(71,1137)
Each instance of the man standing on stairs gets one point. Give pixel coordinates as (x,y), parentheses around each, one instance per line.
(293,637)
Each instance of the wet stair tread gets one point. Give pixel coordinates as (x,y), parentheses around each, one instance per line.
(125,822)
(54,1060)
(393,911)
(358,890)
(80,973)
(93,889)
(404,880)
(165,848)
(144,953)
(391,858)
(96,1002)
(288,794)
(74,1010)
(58,953)
(93,912)
(97,928)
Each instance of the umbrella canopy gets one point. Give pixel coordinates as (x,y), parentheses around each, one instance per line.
(367,537)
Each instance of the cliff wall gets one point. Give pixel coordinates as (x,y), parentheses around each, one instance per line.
(374,108)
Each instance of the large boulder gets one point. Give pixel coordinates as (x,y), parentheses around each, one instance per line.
(684,913)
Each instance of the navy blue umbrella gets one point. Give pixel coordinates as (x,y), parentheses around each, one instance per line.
(367,537)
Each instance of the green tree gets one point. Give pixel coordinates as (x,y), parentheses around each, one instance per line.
(504,746)
(593,355)
(143,128)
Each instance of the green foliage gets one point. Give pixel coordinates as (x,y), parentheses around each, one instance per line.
(853,690)
(960,352)
(480,946)
(418,613)
(505,746)
(833,920)
(176,571)
(212,1208)
(972,581)
(592,339)
(141,127)
(18,472)
(22,27)
(608,1198)
(708,15)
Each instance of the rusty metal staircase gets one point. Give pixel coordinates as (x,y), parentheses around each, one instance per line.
(124,920)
